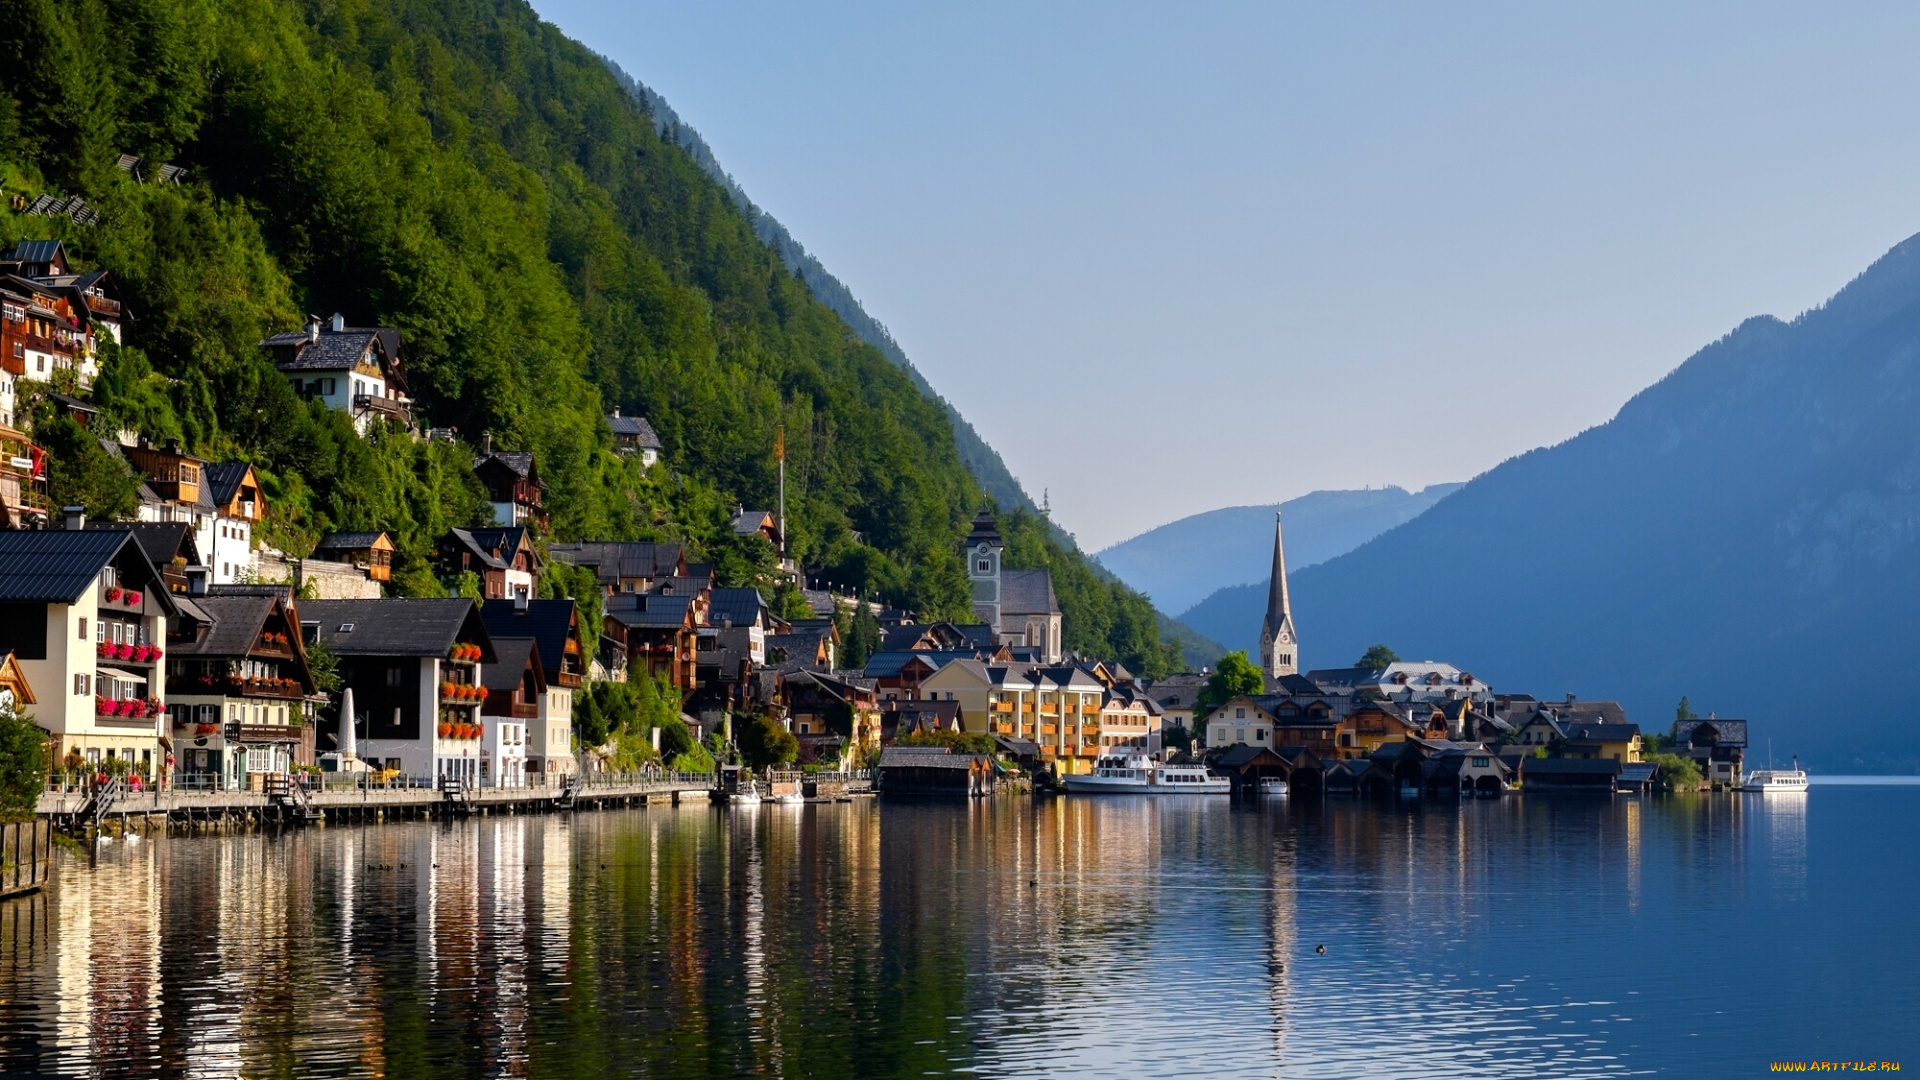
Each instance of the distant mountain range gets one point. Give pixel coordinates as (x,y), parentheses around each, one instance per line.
(1182,562)
(1745,532)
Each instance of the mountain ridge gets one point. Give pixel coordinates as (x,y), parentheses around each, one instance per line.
(1752,516)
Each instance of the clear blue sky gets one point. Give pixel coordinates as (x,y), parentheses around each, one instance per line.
(1172,257)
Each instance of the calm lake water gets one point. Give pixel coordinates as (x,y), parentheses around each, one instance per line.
(1525,937)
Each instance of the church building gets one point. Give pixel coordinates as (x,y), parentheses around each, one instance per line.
(1019,605)
(1279,645)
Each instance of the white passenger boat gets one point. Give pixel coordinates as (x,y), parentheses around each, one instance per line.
(1775,780)
(1140,775)
(1273,787)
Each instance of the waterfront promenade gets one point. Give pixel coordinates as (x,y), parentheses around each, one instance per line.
(355,798)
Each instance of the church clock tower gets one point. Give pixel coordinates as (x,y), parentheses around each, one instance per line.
(1279,645)
(982,552)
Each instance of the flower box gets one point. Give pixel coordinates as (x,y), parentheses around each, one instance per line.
(113,594)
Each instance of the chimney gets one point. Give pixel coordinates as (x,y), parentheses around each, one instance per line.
(76,517)
(313,328)
(339,322)
(173,446)
(486,442)
(197,580)
(616,412)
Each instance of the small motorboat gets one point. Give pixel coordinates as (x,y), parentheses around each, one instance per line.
(1273,787)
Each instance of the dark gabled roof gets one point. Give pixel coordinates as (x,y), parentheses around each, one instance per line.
(1591,712)
(741,607)
(1027,592)
(616,559)
(223,479)
(924,757)
(545,621)
(1568,766)
(503,538)
(464,539)
(1639,772)
(56,567)
(752,521)
(396,627)
(236,624)
(1730,732)
(1602,732)
(511,657)
(34,251)
(1243,754)
(159,541)
(636,428)
(350,541)
(636,609)
(518,462)
(336,350)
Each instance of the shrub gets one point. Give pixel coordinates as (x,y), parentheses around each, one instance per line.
(23,763)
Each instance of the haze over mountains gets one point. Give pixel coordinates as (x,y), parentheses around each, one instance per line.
(1183,562)
(1745,532)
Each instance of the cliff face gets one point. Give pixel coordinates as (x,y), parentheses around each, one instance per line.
(1745,532)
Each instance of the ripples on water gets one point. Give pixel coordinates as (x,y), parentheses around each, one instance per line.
(1522,938)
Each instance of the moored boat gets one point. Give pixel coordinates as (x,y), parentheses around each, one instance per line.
(1770,781)
(1140,775)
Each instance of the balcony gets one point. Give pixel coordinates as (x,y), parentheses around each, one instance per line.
(1049,729)
(385,407)
(462,695)
(234,686)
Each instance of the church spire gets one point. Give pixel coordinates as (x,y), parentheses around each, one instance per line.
(1279,649)
(1278,609)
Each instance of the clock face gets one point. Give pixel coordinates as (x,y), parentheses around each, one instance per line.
(1286,638)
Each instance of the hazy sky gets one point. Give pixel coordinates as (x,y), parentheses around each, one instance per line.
(1172,257)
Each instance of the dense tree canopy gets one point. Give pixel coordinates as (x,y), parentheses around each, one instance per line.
(470,176)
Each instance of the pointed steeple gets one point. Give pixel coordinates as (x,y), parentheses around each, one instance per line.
(1279,611)
(1279,648)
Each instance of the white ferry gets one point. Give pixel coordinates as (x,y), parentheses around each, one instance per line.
(1139,775)
(1771,780)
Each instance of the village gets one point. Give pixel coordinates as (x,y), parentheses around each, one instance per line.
(174,650)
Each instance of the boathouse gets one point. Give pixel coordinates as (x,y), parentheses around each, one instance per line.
(934,770)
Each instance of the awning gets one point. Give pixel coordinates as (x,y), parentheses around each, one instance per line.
(119,674)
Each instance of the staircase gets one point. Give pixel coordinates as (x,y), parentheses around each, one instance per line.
(283,792)
(92,812)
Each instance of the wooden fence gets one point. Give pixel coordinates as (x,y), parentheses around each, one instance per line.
(26,856)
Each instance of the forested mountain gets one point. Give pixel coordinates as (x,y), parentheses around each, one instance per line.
(983,461)
(1745,532)
(1183,562)
(469,175)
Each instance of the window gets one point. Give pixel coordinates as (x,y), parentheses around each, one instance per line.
(1239,714)
(395,675)
(83,628)
(1259,734)
(346,628)
(80,685)
(986,566)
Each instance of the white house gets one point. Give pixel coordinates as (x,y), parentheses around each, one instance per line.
(354,369)
(85,614)
(415,667)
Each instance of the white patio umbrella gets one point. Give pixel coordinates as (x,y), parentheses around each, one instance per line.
(349,748)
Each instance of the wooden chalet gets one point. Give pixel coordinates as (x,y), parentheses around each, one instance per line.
(372,552)
(513,487)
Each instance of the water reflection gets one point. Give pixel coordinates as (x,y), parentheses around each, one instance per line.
(1076,936)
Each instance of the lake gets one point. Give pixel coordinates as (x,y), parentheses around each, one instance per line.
(1527,937)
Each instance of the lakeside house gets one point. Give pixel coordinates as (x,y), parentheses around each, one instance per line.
(554,626)
(415,669)
(240,694)
(516,683)
(85,615)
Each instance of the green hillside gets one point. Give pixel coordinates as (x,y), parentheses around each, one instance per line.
(469,175)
